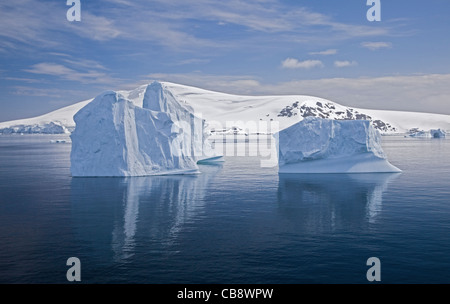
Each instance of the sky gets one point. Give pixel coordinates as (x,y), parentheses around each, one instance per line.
(324,48)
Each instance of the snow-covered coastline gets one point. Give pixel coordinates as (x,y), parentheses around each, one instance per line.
(231,113)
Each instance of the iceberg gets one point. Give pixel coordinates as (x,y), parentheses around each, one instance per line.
(433,133)
(45,128)
(115,137)
(316,145)
(158,98)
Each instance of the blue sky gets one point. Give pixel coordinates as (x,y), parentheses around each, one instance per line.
(325,48)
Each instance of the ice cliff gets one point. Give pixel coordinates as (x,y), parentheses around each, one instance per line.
(317,145)
(115,137)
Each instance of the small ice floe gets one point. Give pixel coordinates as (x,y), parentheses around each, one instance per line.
(58,141)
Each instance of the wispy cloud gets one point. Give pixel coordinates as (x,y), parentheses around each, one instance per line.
(98,28)
(325,53)
(373,46)
(43,92)
(172,23)
(89,76)
(29,22)
(292,63)
(22,79)
(84,63)
(193,61)
(345,63)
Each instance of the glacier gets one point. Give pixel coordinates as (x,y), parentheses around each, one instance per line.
(115,137)
(316,145)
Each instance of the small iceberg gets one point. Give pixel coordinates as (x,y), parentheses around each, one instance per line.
(58,141)
(211,160)
(317,145)
(428,134)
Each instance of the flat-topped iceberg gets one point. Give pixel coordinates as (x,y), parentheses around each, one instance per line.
(115,137)
(317,145)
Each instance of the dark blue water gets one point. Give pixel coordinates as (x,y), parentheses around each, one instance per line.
(236,223)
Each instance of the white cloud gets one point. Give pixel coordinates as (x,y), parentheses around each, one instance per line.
(193,61)
(29,22)
(43,92)
(345,63)
(373,46)
(173,23)
(97,28)
(89,76)
(49,69)
(292,63)
(21,79)
(325,53)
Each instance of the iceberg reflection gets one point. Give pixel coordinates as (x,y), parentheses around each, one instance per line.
(321,202)
(155,207)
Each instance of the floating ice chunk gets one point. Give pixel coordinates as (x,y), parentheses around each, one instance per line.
(58,141)
(211,160)
(317,145)
(429,134)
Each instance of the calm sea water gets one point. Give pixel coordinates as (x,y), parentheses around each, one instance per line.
(235,223)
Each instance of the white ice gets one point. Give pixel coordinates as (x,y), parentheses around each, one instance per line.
(433,133)
(317,145)
(116,137)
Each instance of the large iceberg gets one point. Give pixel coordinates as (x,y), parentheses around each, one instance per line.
(158,98)
(115,137)
(317,145)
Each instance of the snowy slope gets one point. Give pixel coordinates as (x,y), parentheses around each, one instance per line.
(62,117)
(227,111)
(290,109)
(405,121)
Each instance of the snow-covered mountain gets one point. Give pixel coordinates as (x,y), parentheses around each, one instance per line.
(235,111)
